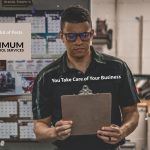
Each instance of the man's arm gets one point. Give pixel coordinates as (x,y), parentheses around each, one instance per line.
(44,131)
(113,134)
(130,117)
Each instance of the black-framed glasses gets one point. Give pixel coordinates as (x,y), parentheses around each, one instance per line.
(72,37)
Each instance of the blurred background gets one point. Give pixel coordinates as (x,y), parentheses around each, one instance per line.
(122,29)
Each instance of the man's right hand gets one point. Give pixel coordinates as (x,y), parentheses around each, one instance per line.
(63,129)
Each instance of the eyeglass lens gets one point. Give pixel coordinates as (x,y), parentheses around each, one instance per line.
(84,36)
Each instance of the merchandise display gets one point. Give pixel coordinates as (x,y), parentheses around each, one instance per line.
(143,86)
(16,118)
(17,76)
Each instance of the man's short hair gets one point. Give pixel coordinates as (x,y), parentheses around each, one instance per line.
(75,14)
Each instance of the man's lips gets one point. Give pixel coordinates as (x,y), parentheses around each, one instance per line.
(78,49)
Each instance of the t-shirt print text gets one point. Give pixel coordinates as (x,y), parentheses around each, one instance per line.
(87,78)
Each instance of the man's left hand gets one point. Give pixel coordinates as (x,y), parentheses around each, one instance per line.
(110,134)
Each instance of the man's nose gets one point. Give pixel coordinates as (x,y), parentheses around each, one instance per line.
(78,40)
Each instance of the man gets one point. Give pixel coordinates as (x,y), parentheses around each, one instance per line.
(81,60)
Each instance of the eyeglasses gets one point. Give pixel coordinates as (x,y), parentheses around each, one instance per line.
(72,37)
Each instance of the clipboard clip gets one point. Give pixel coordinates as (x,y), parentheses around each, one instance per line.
(85,90)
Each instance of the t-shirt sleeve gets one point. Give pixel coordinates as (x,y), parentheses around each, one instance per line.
(127,90)
(41,100)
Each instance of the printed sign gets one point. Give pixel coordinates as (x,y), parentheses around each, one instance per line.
(16,3)
(15,41)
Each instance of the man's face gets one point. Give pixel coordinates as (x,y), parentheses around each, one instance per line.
(77,38)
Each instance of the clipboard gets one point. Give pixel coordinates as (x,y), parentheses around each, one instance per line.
(89,112)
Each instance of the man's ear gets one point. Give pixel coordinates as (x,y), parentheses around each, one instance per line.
(92,33)
(61,36)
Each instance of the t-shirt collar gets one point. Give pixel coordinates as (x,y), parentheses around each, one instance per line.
(96,56)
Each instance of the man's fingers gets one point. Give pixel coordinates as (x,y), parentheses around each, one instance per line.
(110,128)
(111,134)
(65,132)
(64,137)
(108,133)
(104,138)
(107,139)
(113,139)
(62,122)
(62,128)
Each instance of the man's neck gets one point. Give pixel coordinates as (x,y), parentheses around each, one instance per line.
(79,63)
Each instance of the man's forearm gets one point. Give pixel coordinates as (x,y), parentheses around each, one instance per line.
(44,132)
(130,120)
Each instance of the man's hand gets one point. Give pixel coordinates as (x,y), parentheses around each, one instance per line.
(63,129)
(111,134)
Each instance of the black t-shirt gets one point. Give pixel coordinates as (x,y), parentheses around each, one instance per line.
(105,74)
